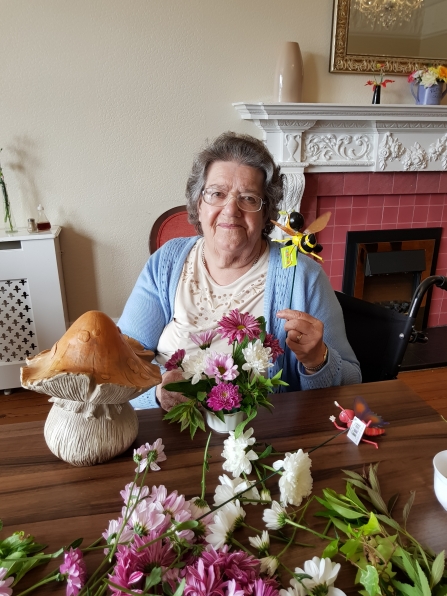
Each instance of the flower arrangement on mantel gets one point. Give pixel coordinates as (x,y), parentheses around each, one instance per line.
(165,545)
(225,383)
(10,226)
(377,84)
(429,76)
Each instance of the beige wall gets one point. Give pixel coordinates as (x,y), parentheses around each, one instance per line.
(104,102)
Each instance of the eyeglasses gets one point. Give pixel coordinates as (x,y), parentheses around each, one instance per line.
(246,201)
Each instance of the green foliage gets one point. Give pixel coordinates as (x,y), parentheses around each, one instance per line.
(388,559)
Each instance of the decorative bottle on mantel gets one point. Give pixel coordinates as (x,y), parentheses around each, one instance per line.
(43,225)
(288,85)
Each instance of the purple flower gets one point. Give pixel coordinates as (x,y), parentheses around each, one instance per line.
(203,339)
(224,397)
(125,571)
(175,361)
(267,587)
(221,367)
(74,570)
(271,342)
(236,326)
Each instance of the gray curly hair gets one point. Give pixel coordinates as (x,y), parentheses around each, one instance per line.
(245,150)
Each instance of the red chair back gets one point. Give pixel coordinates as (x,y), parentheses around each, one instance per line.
(173,223)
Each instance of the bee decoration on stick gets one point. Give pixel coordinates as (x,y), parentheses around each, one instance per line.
(305,241)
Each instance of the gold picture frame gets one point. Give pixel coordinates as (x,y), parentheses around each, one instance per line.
(343,62)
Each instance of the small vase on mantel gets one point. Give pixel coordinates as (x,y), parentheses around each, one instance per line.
(376,94)
(231,421)
(288,85)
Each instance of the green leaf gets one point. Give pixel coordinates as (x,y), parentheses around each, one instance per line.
(437,569)
(350,547)
(389,521)
(406,589)
(423,581)
(186,525)
(266,452)
(76,543)
(407,508)
(373,479)
(354,475)
(372,527)
(331,550)
(370,579)
(392,502)
(153,579)
(180,588)
(352,496)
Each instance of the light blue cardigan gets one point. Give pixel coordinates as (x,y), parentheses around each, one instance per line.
(150,308)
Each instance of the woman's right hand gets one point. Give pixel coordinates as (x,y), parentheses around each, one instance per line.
(169,399)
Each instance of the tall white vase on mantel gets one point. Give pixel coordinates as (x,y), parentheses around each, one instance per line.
(288,83)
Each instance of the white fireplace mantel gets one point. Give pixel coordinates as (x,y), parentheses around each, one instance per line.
(318,137)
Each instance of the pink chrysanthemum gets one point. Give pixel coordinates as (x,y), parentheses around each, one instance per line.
(236,565)
(149,455)
(202,581)
(75,571)
(267,587)
(224,397)
(5,590)
(221,367)
(236,326)
(125,572)
(271,342)
(204,338)
(175,361)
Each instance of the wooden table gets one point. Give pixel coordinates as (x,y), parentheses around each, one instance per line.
(57,503)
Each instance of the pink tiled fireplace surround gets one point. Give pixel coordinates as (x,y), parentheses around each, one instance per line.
(378,201)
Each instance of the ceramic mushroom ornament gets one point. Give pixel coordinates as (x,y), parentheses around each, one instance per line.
(91,373)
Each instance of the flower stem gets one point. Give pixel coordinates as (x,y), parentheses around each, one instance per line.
(292,523)
(205,468)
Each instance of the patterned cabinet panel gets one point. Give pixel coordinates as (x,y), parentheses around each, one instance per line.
(33,314)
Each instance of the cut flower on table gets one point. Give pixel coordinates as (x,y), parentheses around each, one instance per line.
(162,544)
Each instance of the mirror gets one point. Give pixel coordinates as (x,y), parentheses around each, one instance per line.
(403,34)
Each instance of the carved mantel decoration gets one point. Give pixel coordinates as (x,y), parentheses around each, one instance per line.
(307,137)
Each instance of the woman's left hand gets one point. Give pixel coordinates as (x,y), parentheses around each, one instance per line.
(304,336)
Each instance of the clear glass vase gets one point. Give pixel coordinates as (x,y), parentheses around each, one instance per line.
(9,223)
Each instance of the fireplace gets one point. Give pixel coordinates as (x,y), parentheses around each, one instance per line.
(386,266)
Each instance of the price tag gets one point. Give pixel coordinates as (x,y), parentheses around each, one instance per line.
(288,256)
(356,430)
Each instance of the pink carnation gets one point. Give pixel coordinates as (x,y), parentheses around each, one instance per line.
(74,570)
(236,326)
(175,361)
(125,572)
(271,342)
(224,397)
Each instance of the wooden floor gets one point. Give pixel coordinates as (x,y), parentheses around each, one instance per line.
(22,405)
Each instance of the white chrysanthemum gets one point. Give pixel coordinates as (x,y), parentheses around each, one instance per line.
(238,458)
(428,78)
(261,543)
(275,517)
(198,507)
(265,495)
(229,488)
(225,522)
(323,573)
(296,480)
(194,366)
(269,565)
(257,357)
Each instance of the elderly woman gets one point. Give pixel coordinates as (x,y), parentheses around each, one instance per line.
(186,287)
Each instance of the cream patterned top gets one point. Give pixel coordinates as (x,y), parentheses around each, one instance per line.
(200,303)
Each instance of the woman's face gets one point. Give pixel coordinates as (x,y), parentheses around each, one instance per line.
(229,229)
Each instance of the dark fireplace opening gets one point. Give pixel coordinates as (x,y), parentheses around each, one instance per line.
(386,266)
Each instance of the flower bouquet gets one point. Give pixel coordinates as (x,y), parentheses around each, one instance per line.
(426,84)
(225,383)
(378,84)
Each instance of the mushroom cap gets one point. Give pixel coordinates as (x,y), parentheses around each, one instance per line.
(92,362)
